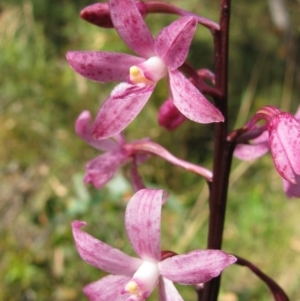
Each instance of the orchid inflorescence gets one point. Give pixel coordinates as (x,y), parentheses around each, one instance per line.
(131,278)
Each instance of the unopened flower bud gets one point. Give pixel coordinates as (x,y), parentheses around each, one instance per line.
(98,14)
(169,116)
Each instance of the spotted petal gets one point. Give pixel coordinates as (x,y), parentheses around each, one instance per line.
(131,26)
(107,288)
(142,221)
(123,105)
(284,131)
(102,168)
(195,267)
(173,42)
(190,102)
(83,128)
(101,255)
(102,66)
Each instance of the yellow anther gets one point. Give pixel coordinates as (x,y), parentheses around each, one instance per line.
(132,288)
(137,76)
(134,71)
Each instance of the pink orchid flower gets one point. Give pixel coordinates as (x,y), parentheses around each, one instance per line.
(158,58)
(118,152)
(102,168)
(134,279)
(282,138)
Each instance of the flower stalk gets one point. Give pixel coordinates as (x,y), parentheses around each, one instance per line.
(223,149)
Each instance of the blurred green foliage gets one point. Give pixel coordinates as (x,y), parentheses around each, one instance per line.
(42,160)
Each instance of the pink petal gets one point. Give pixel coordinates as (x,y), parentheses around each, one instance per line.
(292,190)
(123,105)
(258,148)
(167,290)
(284,131)
(195,267)
(83,128)
(102,66)
(250,151)
(150,147)
(281,161)
(173,42)
(101,169)
(101,255)
(288,129)
(131,26)
(142,221)
(190,102)
(107,288)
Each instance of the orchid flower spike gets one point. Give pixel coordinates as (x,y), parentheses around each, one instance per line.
(135,278)
(282,138)
(158,58)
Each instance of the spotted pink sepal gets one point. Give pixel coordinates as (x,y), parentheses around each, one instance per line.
(284,133)
(195,267)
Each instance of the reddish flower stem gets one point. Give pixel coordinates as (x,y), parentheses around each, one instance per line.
(161,7)
(277,292)
(223,150)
